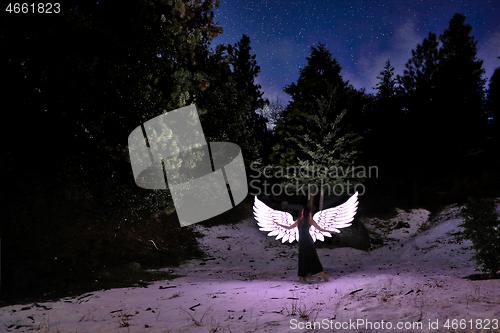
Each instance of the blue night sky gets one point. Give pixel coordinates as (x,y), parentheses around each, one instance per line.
(361,35)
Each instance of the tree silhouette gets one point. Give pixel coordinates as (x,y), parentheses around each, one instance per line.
(84,83)
(321,70)
(421,68)
(459,90)
(249,98)
(308,134)
(417,97)
(387,85)
(442,93)
(493,103)
(387,123)
(231,96)
(330,152)
(81,81)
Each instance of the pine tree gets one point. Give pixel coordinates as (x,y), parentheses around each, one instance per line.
(459,90)
(493,103)
(330,153)
(387,125)
(231,97)
(245,70)
(482,227)
(217,100)
(417,92)
(387,85)
(420,69)
(417,98)
(442,94)
(304,95)
(249,99)
(308,133)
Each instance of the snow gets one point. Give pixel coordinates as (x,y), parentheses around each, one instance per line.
(247,283)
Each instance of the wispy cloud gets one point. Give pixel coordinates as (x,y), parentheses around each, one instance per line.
(488,50)
(372,57)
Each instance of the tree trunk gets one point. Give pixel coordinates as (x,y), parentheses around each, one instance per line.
(310,202)
(321,198)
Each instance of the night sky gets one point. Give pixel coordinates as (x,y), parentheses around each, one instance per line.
(361,35)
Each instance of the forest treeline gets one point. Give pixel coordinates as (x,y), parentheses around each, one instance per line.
(75,85)
(431,132)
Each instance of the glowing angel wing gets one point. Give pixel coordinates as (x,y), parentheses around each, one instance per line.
(266,218)
(335,218)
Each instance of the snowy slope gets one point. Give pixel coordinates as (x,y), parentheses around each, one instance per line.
(246,283)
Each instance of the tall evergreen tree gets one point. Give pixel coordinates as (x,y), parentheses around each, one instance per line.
(249,97)
(442,92)
(308,133)
(459,90)
(321,70)
(330,153)
(231,96)
(245,70)
(387,123)
(493,104)
(420,69)
(387,85)
(416,96)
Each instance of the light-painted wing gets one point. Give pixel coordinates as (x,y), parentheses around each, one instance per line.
(266,218)
(335,218)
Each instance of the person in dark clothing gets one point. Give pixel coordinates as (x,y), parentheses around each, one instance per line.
(308,256)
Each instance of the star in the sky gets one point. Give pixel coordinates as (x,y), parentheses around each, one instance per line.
(362,35)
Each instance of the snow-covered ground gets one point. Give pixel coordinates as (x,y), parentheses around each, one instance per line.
(247,283)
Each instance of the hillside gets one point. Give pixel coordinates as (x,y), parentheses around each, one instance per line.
(247,283)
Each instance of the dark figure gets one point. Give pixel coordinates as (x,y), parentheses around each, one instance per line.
(308,257)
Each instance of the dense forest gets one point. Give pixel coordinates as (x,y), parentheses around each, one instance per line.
(76,84)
